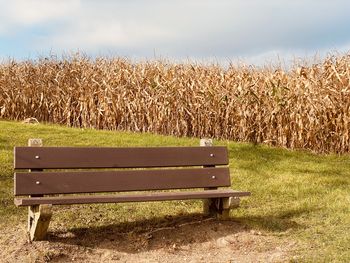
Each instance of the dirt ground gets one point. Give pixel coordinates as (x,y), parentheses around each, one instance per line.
(181,239)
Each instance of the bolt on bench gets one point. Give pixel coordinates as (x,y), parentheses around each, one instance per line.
(192,167)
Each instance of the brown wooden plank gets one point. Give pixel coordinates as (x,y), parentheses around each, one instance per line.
(144,197)
(83,157)
(121,180)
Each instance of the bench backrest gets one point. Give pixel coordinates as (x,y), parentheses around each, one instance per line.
(197,169)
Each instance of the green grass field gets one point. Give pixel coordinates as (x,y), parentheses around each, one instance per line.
(295,195)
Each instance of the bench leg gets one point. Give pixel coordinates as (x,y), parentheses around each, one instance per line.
(38,221)
(220,207)
(225,205)
(209,207)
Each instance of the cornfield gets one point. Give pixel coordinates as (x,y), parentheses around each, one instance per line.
(304,107)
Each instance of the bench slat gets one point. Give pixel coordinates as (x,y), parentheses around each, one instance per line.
(31,183)
(94,157)
(144,197)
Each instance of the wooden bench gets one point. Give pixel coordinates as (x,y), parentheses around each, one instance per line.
(158,168)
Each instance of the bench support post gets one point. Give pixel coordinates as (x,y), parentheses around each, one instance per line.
(225,205)
(208,208)
(220,207)
(38,221)
(39,215)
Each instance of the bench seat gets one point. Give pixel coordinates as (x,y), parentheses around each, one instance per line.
(123,198)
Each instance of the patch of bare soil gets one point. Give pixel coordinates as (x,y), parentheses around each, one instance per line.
(173,239)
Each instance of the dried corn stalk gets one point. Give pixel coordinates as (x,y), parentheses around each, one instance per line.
(306,107)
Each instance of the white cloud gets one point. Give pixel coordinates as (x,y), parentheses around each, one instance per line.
(89,34)
(28,12)
(19,14)
(253,30)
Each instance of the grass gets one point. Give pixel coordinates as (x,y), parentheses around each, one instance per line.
(295,195)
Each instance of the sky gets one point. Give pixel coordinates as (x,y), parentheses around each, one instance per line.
(251,31)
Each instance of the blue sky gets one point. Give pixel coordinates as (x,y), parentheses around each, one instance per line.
(253,31)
